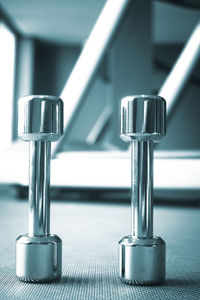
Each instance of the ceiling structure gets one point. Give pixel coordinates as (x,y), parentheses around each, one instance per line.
(62,21)
(70,21)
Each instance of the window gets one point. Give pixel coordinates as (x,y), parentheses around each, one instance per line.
(7,72)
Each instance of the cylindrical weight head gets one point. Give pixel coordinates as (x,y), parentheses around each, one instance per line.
(143,118)
(38,259)
(142,261)
(40,118)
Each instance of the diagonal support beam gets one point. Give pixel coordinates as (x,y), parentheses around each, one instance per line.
(92,54)
(182,69)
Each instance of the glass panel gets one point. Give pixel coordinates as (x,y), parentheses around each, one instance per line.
(7,70)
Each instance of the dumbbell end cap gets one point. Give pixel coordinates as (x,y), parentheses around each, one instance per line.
(142,260)
(38,259)
(143,117)
(40,118)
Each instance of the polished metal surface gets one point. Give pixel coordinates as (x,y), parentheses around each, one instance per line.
(38,258)
(143,117)
(142,188)
(38,254)
(142,261)
(142,256)
(39,181)
(40,118)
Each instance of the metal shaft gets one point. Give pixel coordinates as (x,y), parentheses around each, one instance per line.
(142,188)
(39,183)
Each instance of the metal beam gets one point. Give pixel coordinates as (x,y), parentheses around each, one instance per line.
(84,70)
(182,69)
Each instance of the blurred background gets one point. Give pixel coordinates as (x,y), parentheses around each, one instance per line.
(43,42)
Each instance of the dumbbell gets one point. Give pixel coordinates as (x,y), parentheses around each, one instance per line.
(141,255)
(39,253)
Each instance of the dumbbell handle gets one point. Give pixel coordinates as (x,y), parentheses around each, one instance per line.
(142,188)
(39,183)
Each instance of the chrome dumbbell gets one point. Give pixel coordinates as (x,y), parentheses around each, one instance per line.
(141,255)
(39,253)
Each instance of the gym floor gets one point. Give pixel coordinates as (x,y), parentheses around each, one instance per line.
(90,233)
